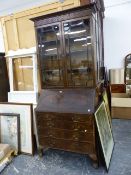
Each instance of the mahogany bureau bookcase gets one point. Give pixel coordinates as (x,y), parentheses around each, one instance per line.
(71,62)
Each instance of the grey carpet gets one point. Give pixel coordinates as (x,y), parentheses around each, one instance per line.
(56,162)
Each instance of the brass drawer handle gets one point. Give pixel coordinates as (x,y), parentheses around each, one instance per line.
(77,118)
(76,144)
(46,116)
(52,143)
(76,126)
(76,129)
(73,118)
(75,138)
(75,121)
(50,124)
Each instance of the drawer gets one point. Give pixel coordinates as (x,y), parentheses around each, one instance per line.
(76,126)
(67,135)
(42,117)
(118,88)
(81,147)
(68,117)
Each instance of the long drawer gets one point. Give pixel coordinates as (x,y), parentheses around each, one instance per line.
(81,147)
(67,134)
(69,117)
(76,126)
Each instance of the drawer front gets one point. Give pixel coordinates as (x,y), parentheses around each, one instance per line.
(68,117)
(67,135)
(81,147)
(76,126)
(118,88)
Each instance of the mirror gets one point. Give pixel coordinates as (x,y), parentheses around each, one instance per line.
(128,69)
(128,73)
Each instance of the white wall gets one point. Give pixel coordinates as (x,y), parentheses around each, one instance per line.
(117,32)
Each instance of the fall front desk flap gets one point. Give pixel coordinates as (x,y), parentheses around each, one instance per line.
(79,101)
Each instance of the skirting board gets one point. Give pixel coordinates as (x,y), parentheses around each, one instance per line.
(121,112)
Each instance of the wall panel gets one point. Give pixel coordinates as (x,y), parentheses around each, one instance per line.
(18,30)
(26,34)
(10,35)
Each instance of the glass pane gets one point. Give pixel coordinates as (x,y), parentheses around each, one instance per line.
(49,52)
(23,74)
(79,53)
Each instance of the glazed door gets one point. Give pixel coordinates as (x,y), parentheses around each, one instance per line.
(77,41)
(50,51)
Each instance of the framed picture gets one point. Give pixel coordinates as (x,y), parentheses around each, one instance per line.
(106,101)
(26,123)
(105,133)
(10,130)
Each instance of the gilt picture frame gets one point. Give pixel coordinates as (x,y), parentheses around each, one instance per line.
(10,130)
(26,123)
(105,133)
(106,101)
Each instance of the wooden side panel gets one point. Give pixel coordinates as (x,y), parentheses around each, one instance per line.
(10,35)
(18,30)
(40,13)
(4,34)
(121,102)
(121,106)
(121,112)
(26,34)
(70,4)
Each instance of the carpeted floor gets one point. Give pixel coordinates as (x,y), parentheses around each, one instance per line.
(56,162)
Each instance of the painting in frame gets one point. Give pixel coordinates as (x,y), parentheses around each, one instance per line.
(105,133)
(26,123)
(10,130)
(106,101)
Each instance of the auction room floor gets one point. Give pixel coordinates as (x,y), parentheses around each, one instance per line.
(56,162)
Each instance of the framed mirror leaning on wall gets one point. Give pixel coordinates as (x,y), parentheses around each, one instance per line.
(128,73)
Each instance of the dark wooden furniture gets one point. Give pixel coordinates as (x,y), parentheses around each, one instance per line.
(70,47)
(118,88)
(4,81)
(65,120)
(71,61)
